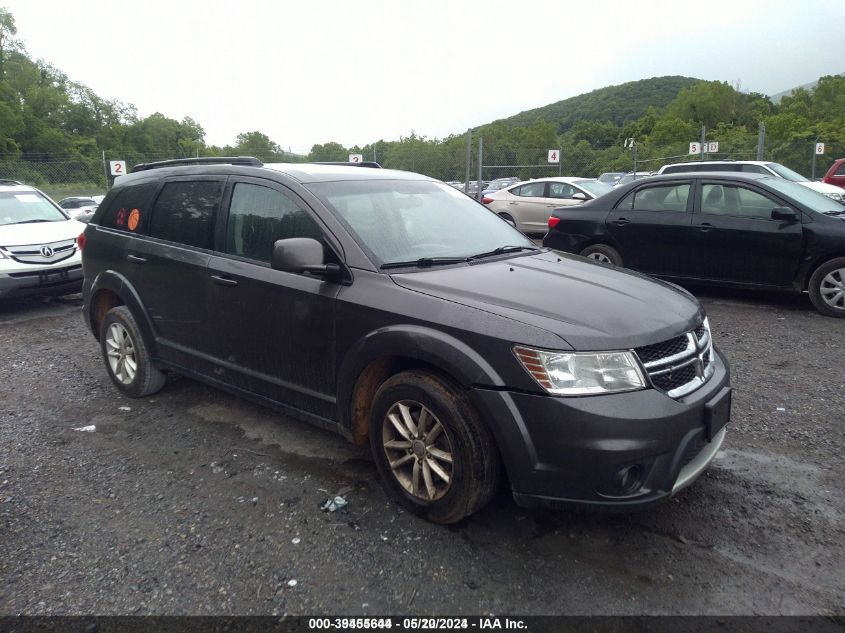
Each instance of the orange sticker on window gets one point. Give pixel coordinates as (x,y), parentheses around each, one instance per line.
(134,218)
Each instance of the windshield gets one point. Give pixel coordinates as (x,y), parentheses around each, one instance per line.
(786,172)
(595,187)
(811,199)
(408,220)
(28,206)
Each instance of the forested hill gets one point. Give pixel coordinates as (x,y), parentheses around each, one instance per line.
(617,104)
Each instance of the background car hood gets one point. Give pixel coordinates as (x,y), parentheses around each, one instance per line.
(39,232)
(822,187)
(590,305)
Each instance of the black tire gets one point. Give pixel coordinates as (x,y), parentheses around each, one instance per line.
(475,463)
(828,277)
(507,217)
(146,378)
(603,254)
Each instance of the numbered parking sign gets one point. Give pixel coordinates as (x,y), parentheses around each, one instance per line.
(712,147)
(356,158)
(819,148)
(554,155)
(694,148)
(118,167)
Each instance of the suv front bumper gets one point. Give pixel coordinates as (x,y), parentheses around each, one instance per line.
(618,451)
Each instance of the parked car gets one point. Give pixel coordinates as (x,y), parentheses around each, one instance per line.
(528,205)
(631,176)
(836,174)
(388,307)
(38,248)
(611,177)
(756,167)
(78,207)
(735,229)
(498,184)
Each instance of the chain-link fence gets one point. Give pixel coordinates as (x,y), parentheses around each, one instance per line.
(448,162)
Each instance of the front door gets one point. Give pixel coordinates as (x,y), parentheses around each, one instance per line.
(274,330)
(528,205)
(736,239)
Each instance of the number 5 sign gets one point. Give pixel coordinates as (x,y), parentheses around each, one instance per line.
(118,167)
(554,155)
(694,148)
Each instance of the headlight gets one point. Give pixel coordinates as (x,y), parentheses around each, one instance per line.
(836,196)
(582,373)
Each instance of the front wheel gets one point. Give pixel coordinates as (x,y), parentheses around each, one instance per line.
(603,254)
(827,288)
(433,453)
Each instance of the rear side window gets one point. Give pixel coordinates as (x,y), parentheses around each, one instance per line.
(671,198)
(840,171)
(755,169)
(184,212)
(129,210)
(531,190)
(258,216)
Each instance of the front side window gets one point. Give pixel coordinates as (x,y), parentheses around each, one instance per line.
(531,190)
(184,212)
(258,216)
(736,201)
(561,190)
(671,198)
(755,169)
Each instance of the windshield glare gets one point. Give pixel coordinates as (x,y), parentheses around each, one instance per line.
(786,172)
(406,220)
(27,206)
(811,199)
(595,187)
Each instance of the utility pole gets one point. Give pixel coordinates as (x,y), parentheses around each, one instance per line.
(813,175)
(480,165)
(469,160)
(703,141)
(761,140)
(105,170)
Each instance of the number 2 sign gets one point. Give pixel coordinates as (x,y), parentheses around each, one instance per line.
(118,167)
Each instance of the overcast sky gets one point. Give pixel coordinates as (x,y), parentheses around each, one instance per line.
(313,71)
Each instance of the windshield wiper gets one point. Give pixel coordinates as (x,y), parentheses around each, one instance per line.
(424,262)
(31,221)
(502,250)
(834,212)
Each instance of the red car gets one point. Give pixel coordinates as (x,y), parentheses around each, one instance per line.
(836,174)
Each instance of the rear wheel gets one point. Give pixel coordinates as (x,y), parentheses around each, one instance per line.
(433,453)
(603,254)
(827,288)
(126,355)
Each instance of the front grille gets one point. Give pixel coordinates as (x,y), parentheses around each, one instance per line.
(679,365)
(32,253)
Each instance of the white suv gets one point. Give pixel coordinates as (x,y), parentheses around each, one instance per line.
(756,167)
(39,254)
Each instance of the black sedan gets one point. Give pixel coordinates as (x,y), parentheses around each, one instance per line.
(733,229)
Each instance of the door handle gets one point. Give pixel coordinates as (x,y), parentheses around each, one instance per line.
(136,259)
(513,203)
(704,227)
(621,221)
(224,281)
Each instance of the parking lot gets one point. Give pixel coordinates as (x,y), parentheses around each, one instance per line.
(197,502)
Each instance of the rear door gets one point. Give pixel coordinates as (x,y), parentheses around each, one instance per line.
(274,331)
(651,227)
(736,240)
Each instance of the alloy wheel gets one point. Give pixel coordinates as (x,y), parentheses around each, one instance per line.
(600,257)
(120,350)
(832,289)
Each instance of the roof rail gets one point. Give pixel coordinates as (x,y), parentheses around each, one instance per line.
(6,181)
(365,163)
(206,160)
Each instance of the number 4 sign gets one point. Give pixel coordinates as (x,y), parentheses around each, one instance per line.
(554,155)
(118,167)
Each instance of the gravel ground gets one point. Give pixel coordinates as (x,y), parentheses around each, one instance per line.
(196,502)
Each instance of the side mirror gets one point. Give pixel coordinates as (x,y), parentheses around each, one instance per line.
(579,196)
(301,255)
(784,214)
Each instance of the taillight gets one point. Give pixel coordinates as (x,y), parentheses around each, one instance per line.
(80,241)
(487,200)
(553,221)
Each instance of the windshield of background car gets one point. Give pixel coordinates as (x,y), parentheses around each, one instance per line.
(595,187)
(811,199)
(404,220)
(29,206)
(786,172)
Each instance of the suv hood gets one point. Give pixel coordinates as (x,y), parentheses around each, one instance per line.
(589,305)
(822,187)
(39,232)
